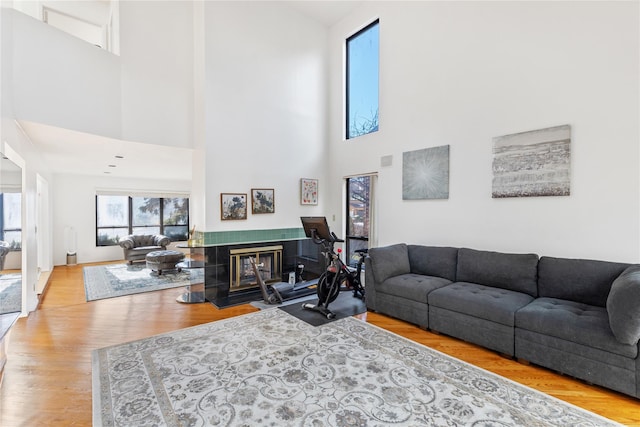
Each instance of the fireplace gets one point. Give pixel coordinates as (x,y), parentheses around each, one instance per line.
(241,271)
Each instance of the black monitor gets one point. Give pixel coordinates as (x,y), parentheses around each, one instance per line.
(317,224)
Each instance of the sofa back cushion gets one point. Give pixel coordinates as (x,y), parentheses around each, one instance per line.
(433,261)
(515,272)
(389,261)
(144,240)
(580,280)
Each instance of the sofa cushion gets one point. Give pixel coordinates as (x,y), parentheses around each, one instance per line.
(515,272)
(389,261)
(484,302)
(623,306)
(412,286)
(572,321)
(433,261)
(580,280)
(146,249)
(133,241)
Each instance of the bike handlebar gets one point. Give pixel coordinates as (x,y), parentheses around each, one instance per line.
(319,240)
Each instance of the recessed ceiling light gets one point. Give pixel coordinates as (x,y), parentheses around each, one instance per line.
(112,166)
(107,172)
(119,157)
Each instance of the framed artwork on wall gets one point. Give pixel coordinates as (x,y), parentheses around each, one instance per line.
(262,200)
(425,173)
(308,191)
(533,163)
(233,206)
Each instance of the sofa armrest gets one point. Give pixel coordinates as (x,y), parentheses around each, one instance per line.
(369,285)
(389,261)
(127,242)
(623,308)
(4,248)
(161,240)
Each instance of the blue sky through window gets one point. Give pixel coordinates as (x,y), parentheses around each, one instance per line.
(362,81)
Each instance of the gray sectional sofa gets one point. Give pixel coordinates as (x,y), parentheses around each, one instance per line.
(578,317)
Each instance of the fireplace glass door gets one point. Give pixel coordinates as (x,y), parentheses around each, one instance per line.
(269,260)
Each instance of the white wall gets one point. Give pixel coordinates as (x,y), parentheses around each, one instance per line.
(156,52)
(63,81)
(143,95)
(74,204)
(265,108)
(461,73)
(17,146)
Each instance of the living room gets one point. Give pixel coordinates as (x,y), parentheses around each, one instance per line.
(253,93)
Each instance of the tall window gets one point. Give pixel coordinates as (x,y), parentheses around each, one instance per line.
(358,215)
(117,216)
(362,81)
(112,219)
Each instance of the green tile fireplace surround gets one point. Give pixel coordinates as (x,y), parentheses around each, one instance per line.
(215,249)
(215,238)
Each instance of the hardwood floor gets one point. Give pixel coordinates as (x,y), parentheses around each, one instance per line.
(47,378)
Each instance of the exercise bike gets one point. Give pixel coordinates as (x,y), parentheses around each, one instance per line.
(338,276)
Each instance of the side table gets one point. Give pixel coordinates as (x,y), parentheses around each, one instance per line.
(195,290)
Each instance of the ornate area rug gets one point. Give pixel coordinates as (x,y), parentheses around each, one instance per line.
(270,368)
(115,280)
(10,293)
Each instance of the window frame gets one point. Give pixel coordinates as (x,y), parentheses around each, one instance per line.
(130,226)
(3,229)
(366,28)
(352,239)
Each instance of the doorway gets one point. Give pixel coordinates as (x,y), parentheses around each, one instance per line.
(42,233)
(360,223)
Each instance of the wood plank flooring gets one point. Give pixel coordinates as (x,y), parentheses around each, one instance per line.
(47,378)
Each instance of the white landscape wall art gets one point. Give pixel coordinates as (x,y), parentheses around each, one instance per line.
(535,163)
(425,173)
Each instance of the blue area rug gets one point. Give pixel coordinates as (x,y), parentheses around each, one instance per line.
(115,280)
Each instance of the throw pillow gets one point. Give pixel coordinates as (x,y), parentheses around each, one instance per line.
(389,261)
(623,307)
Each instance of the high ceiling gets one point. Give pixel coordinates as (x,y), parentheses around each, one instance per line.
(72,152)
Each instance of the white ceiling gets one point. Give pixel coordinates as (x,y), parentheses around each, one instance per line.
(71,152)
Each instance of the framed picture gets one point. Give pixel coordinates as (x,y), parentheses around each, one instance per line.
(425,173)
(308,191)
(262,201)
(233,206)
(533,163)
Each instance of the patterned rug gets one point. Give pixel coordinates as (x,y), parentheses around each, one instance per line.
(115,280)
(10,293)
(281,371)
